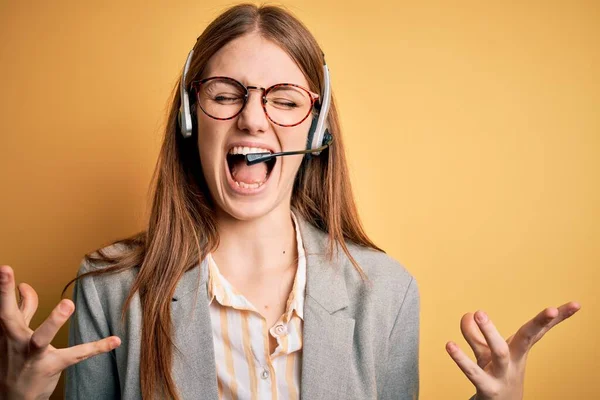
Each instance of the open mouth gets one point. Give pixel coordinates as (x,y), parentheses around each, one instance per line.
(248,176)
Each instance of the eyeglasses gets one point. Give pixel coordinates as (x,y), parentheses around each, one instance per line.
(223,98)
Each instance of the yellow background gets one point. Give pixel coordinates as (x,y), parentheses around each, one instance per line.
(473,134)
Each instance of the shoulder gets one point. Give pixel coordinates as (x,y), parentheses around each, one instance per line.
(383,291)
(388,282)
(380,268)
(108,289)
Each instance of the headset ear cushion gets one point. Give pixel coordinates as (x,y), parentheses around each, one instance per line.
(311,133)
(194,119)
(327,138)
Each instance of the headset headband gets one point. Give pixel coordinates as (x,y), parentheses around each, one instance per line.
(185,115)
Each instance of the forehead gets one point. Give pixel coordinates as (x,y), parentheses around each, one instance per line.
(255,60)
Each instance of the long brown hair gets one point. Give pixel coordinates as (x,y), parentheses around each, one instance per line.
(181,228)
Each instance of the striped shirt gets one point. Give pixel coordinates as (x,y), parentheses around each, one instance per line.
(245,369)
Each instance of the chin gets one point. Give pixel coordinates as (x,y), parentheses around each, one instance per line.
(248,211)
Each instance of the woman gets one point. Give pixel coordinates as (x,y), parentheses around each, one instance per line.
(252,280)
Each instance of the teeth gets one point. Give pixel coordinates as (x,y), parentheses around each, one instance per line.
(254,185)
(248,150)
(248,185)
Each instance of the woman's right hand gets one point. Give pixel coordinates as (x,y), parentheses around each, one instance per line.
(29,365)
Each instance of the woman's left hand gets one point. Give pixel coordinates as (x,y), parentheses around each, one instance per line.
(499,372)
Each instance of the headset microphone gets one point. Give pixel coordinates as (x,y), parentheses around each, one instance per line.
(255,158)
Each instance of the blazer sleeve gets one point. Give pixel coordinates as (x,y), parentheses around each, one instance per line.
(402,365)
(95,377)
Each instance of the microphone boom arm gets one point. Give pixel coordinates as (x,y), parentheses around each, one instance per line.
(255,158)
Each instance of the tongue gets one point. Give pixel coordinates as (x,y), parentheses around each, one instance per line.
(249,173)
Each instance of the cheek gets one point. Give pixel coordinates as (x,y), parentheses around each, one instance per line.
(294,138)
(210,144)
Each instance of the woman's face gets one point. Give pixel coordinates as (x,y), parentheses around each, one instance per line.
(241,191)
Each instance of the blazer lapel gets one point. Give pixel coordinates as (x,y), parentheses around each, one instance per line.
(194,369)
(328,336)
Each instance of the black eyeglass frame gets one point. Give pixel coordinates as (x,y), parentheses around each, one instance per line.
(196,86)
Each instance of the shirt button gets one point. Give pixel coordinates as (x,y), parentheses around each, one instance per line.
(264,374)
(280,329)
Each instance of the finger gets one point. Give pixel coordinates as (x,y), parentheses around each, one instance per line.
(565,311)
(8,299)
(534,330)
(475,338)
(498,346)
(44,334)
(527,335)
(75,354)
(29,302)
(473,372)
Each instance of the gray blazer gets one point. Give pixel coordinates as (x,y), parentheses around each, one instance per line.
(360,340)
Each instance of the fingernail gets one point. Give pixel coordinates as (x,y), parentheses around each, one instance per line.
(481,317)
(65,307)
(3,277)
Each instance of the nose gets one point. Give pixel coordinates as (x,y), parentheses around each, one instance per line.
(253,119)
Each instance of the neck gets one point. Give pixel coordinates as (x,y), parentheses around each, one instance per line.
(261,245)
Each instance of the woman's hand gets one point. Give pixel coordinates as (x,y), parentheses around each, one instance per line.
(500,369)
(29,365)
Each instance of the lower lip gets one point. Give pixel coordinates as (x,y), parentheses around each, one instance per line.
(246,191)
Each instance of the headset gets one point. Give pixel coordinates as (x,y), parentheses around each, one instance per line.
(318,139)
